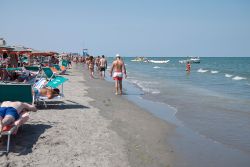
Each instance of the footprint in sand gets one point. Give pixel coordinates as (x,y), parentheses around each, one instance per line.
(107,103)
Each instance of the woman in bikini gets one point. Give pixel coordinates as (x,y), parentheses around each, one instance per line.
(91,66)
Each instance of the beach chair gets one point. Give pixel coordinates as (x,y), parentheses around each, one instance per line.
(8,132)
(54,70)
(8,73)
(32,68)
(65,63)
(48,73)
(15,92)
(14,69)
(61,70)
(53,83)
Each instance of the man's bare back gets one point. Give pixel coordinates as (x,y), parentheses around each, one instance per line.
(118,66)
(19,106)
(103,62)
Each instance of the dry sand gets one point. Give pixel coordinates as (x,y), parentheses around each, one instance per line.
(90,127)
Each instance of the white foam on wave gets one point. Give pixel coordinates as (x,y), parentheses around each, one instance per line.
(156,67)
(146,86)
(237,78)
(228,75)
(214,72)
(159,61)
(201,70)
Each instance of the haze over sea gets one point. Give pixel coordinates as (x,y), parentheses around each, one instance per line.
(212,102)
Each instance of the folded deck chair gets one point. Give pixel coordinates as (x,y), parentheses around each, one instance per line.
(15,92)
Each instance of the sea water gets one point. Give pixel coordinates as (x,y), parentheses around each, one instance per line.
(211,102)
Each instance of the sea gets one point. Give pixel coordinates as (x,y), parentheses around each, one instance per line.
(209,106)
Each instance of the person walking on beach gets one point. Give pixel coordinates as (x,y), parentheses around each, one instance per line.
(91,66)
(11,111)
(103,66)
(118,67)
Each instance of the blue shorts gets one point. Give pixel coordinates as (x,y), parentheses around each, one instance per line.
(9,111)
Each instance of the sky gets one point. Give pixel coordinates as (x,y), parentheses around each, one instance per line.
(155,28)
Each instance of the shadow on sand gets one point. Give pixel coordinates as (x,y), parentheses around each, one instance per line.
(26,137)
(60,105)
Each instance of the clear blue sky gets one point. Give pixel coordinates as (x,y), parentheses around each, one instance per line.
(130,27)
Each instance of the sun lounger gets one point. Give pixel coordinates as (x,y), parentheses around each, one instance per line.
(15,92)
(48,73)
(53,83)
(32,68)
(14,69)
(12,129)
(61,69)
(8,132)
(65,63)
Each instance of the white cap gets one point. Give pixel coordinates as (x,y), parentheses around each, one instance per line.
(117,55)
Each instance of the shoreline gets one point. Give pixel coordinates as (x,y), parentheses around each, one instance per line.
(145,135)
(189,147)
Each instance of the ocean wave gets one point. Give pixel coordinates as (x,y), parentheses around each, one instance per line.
(214,72)
(228,75)
(146,86)
(201,70)
(237,78)
(156,67)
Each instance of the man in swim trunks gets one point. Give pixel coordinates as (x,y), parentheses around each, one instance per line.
(11,111)
(103,66)
(118,67)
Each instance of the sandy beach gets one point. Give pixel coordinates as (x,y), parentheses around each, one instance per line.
(91,126)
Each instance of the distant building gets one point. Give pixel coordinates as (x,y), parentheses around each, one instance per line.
(2,42)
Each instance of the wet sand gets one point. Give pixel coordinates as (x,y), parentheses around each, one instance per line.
(91,126)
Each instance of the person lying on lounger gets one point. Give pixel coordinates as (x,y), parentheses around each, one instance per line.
(46,92)
(11,112)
